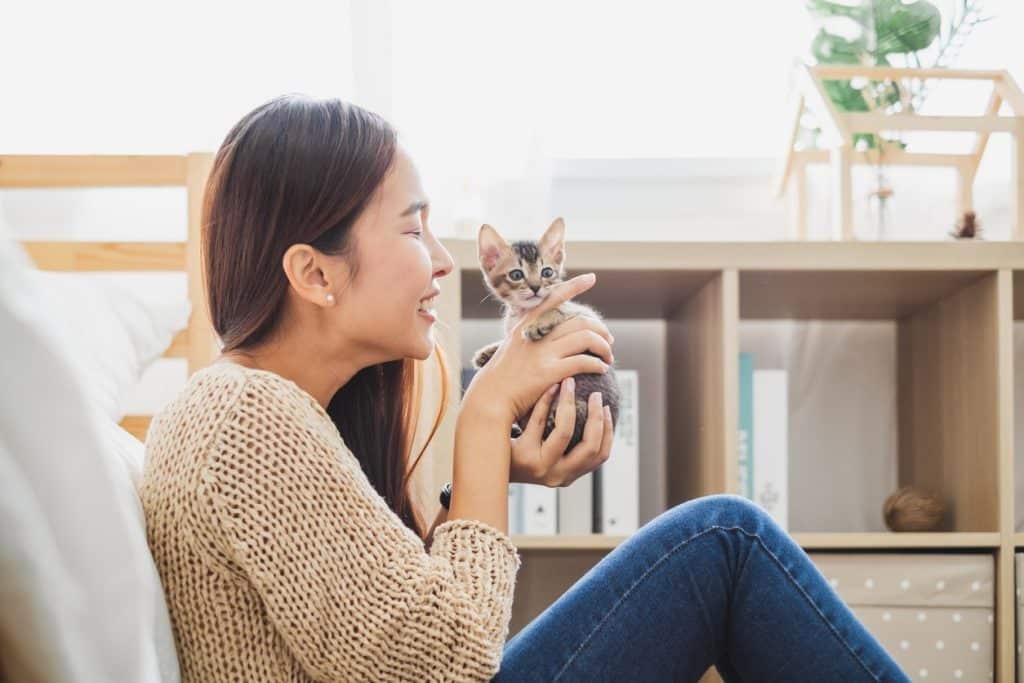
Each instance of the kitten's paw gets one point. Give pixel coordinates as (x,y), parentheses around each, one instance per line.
(483,355)
(535,332)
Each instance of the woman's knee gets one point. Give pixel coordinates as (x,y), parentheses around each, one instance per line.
(726,510)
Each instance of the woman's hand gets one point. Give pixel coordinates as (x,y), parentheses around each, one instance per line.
(521,370)
(537,461)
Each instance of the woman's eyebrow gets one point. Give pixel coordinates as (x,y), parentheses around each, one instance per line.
(415,207)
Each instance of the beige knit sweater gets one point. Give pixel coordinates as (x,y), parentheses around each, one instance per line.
(281,562)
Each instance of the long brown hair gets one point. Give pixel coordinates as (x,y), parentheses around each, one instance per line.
(300,170)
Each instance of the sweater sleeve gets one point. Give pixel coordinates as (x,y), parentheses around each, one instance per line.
(350,588)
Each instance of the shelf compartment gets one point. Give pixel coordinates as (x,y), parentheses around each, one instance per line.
(947,327)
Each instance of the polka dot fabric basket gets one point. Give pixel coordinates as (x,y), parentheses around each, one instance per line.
(933,612)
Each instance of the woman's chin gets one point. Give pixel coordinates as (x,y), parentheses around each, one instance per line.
(423,350)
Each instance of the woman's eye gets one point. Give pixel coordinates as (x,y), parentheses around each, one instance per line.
(418,233)
(547,272)
(515,275)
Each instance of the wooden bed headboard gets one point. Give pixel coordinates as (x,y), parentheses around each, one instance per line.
(197,343)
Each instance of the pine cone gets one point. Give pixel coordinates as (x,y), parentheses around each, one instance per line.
(912,509)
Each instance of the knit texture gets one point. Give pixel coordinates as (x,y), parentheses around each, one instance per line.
(281,562)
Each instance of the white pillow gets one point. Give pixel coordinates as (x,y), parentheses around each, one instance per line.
(70,490)
(114,333)
(129,454)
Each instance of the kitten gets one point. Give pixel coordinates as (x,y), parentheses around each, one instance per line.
(520,275)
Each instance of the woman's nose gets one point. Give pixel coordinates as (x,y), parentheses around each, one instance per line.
(442,260)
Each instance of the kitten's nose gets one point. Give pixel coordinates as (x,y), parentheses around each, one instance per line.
(534,288)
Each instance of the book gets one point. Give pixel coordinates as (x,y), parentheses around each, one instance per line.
(575,506)
(745,442)
(617,487)
(540,510)
(515,508)
(771,420)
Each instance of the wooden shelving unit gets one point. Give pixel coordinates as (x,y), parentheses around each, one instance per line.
(953,304)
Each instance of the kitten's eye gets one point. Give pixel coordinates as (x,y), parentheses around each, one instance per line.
(548,271)
(515,275)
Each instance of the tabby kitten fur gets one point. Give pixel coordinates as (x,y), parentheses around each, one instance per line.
(520,274)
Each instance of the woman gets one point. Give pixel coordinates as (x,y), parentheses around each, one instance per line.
(276,484)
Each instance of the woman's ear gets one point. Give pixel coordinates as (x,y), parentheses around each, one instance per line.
(313,275)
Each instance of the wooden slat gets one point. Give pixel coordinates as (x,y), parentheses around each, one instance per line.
(788,153)
(107,256)
(778,255)
(1005,597)
(806,539)
(833,123)
(896,541)
(878,73)
(25,171)
(701,347)
(179,346)
(995,101)
(137,425)
(1011,92)
(202,347)
(873,123)
(891,158)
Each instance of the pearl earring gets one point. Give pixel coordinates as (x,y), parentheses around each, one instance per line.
(330,299)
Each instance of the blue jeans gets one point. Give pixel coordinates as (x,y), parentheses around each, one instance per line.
(712,581)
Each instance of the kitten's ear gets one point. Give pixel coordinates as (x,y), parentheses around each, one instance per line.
(552,242)
(490,247)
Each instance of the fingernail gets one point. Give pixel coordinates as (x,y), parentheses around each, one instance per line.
(590,277)
(553,389)
(608,411)
(570,384)
(598,395)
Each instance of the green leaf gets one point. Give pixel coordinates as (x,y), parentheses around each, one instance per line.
(824,8)
(845,97)
(901,28)
(828,48)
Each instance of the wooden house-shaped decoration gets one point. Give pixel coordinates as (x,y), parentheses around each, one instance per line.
(839,127)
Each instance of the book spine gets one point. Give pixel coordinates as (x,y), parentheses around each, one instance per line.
(515,508)
(620,479)
(575,506)
(746,426)
(771,419)
(540,510)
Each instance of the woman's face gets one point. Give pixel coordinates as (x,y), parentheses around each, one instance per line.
(387,308)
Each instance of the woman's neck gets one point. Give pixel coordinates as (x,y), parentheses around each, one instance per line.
(320,379)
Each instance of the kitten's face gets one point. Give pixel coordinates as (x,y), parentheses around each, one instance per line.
(521,273)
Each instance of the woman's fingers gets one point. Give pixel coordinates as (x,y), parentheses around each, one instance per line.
(565,422)
(580,323)
(559,294)
(581,364)
(581,341)
(585,456)
(539,416)
(607,435)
